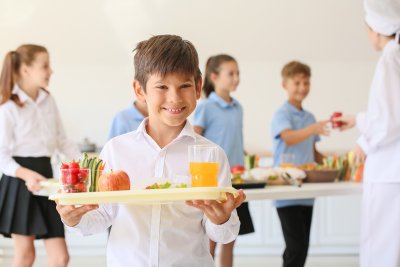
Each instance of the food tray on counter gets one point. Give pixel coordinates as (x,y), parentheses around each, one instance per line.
(145,196)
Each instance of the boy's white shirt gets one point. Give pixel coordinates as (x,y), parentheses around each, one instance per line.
(157,235)
(380,124)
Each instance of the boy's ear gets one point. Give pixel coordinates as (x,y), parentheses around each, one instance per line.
(139,91)
(199,85)
(284,84)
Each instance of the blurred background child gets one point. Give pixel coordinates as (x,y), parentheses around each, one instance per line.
(30,132)
(294,134)
(219,118)
(128,120)
(379,142)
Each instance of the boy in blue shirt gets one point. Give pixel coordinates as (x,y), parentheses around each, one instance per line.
(295,131)
(128,120)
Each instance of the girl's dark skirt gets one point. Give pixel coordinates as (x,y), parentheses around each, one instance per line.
(23,213)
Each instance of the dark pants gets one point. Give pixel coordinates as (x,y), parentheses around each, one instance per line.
(296,225)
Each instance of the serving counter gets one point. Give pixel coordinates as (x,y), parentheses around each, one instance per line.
(307,190)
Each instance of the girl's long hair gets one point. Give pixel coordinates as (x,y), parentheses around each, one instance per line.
(10,71)
(212,66)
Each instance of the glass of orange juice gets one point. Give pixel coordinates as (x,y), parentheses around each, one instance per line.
(287,160)
(203,165)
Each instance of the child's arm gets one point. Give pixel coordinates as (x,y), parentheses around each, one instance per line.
(293,137)
(318,156)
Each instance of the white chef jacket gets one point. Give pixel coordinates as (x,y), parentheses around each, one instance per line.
(380,125)
(34,130)
(172,234)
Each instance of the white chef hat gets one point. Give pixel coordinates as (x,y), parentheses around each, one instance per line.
(383,16)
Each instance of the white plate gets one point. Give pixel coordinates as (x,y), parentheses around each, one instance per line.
(145,196)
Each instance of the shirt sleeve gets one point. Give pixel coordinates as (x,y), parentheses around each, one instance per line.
(228,231)
(96,221)
(200,116)
(8,165)
(280,122)
(380,125)
(66,146)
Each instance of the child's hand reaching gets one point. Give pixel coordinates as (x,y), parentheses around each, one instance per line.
(72,215)
(320,128)
(218,212)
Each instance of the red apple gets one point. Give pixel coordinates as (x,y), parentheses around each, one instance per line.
(114,181)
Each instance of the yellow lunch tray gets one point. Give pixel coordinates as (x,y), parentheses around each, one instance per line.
(145,196)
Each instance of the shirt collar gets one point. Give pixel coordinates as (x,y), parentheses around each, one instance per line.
(187,130)
(391,45)
(293,109)
(23,97)
(217,99)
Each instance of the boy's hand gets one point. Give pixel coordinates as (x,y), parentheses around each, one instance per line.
(320,128)
(72,215)
(218,212)
(348,121)
(359,155)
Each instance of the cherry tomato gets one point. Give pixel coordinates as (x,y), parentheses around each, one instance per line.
(80,187)
(64,166)
(83,173)
(74,165)
(72,179)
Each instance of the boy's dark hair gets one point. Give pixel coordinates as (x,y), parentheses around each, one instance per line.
(213,66)
(293,68)
(165,54)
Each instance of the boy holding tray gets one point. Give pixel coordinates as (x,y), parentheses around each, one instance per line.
(167,78)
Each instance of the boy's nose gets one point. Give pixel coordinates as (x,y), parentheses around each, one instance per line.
(174,95)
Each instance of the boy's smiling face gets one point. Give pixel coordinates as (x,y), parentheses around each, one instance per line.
(297,87)
(170,99)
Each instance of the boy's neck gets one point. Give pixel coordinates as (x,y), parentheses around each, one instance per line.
(163,134)
(296,104)
(141,108)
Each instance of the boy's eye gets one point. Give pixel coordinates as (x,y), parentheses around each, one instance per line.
(163,87)
(186,85)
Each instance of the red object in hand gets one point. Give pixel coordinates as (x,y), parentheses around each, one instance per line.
(336,124)
(114,181)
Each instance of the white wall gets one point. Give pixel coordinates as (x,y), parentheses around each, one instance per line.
(90,44)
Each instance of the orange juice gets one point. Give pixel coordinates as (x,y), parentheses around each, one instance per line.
(204,173)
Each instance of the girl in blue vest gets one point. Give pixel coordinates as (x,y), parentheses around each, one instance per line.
(219,118)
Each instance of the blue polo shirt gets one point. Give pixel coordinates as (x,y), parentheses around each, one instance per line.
(125,121)
(222,123)
(289,117)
